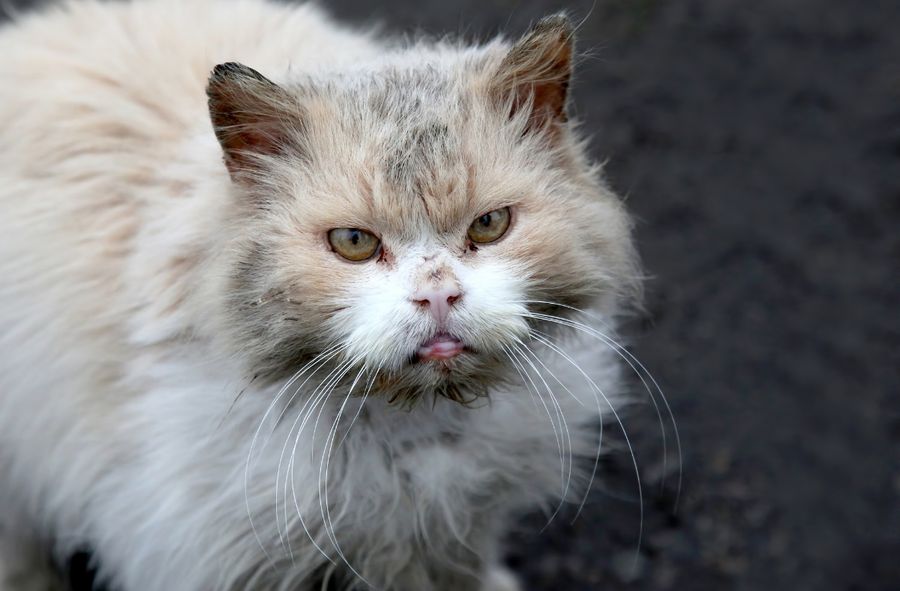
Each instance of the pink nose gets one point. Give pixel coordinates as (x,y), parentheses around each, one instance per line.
(438,300)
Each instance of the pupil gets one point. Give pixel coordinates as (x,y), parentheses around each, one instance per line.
(354,237)
(486,220)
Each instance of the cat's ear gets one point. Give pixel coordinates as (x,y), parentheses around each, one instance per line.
(535,73)
(252,116)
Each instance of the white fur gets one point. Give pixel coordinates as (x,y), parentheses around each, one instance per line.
(121,428)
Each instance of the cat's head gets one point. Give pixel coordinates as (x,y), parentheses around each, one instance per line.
(411,215)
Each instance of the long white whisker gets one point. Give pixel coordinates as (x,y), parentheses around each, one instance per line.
(318,401)
(326,389)
(318,398)
(512,354)
(506,351)
(262,422)
(312,399)
(365,397)
(612,344)
(587,491)
(637,471)
(532,388)
(323,487)
(533,332)
(537,336)
(629,358)
(567,471)
(321,360)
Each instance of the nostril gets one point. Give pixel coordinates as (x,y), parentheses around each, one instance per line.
(438,301)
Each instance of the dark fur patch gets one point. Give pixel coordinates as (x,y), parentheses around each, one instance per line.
(251,116)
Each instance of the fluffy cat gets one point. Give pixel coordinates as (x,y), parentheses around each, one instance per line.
(282,303)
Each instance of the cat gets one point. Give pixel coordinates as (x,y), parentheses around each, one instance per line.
(290,306)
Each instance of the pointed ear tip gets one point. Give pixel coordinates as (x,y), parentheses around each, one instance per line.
(227,69)
(221,74)
(559,23)
(234,70)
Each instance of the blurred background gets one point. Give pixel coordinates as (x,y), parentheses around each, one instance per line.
(758,145)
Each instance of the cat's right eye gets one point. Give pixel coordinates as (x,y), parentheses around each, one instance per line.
(489,227)
(353,244)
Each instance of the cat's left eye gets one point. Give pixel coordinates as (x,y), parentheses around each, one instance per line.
(490,226)
(353,244)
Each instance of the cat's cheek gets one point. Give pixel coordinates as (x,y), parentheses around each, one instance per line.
(377,318)
(495,290)
(553,261)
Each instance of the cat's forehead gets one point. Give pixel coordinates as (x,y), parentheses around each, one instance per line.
(419,148)
(396,92)
(426,178)
(415,116)
(415,128)
(411,126)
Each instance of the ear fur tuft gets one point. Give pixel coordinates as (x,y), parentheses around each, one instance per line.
(536,71)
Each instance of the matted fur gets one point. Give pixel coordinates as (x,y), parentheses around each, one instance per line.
(155,301)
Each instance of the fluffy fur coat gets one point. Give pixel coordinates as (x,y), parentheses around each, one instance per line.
(195,386)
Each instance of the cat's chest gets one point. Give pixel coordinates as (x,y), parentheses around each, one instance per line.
(427,454)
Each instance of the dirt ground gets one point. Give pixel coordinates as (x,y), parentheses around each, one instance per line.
(759,146)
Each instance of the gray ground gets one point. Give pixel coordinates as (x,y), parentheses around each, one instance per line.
(759,145)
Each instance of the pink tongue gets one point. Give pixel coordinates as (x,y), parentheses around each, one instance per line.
(441,347)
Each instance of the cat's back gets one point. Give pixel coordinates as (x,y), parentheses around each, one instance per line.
(119,75)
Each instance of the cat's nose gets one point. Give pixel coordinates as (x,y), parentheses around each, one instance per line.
(438,300)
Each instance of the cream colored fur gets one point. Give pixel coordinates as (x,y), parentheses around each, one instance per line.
(140,373)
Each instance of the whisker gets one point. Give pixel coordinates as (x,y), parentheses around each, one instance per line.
(587,491)
(318,398)
(537,336)
(566,471)
(318,401)
(323,484)
(636,365)
(618,419)
(322,362)
(365,397)
(507,353)
(526,377)
(314,400)
(612,344)
(262,422)
(534,391)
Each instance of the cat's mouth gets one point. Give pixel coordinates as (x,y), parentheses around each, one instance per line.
(440,347)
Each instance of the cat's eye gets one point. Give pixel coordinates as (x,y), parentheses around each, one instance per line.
(353,244)
(490,226)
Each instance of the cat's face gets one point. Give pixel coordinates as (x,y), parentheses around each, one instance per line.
(414,216)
